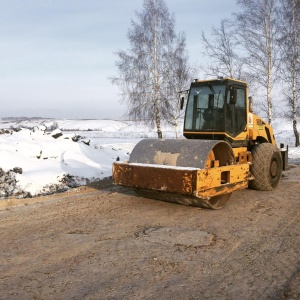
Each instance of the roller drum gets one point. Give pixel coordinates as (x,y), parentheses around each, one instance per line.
(184,153)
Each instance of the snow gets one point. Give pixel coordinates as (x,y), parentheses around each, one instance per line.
(55,155)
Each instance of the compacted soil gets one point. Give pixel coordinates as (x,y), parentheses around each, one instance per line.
(105,242)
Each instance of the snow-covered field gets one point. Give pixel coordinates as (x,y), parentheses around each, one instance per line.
(43,156)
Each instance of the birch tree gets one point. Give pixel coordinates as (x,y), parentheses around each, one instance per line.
(221,49)
(257,30)
(290,56)
(147,69)
(177,79)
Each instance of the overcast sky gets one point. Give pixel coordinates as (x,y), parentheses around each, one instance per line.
(56,55)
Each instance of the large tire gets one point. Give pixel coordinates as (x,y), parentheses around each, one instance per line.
(266,167)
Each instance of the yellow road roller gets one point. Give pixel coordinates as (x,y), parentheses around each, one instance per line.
(226,148)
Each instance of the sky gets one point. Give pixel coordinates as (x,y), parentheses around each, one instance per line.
(56,56)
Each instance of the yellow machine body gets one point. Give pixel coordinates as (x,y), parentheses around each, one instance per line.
(223,139)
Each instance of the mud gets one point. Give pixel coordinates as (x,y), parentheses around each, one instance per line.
(105,242)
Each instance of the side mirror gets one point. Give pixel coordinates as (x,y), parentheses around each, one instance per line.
(250,104)
(233,97)
(181,103)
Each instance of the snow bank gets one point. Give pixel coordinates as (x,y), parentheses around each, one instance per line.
(51,164)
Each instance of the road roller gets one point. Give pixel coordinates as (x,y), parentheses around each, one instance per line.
(226,147)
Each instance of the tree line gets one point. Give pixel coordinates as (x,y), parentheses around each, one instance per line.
(259,43)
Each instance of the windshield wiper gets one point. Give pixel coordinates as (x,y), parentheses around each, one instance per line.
(211,88)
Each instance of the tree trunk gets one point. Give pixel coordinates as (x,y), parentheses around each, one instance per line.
(269,99)
(157,120)
(296,133)
(270,61)
(176,127)
(156,84)
(294,74)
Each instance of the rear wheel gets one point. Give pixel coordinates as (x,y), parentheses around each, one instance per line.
(266,167)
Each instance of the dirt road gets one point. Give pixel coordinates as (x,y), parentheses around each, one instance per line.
(104,242)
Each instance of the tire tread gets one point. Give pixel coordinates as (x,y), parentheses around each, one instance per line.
(262,155)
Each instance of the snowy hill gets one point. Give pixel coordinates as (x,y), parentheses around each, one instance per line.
(43,156)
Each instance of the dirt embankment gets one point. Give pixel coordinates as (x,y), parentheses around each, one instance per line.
(104,242)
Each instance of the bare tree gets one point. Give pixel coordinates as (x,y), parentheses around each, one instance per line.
(145,70)
(221,48)
(290,57)
(257,30)
(177,76)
